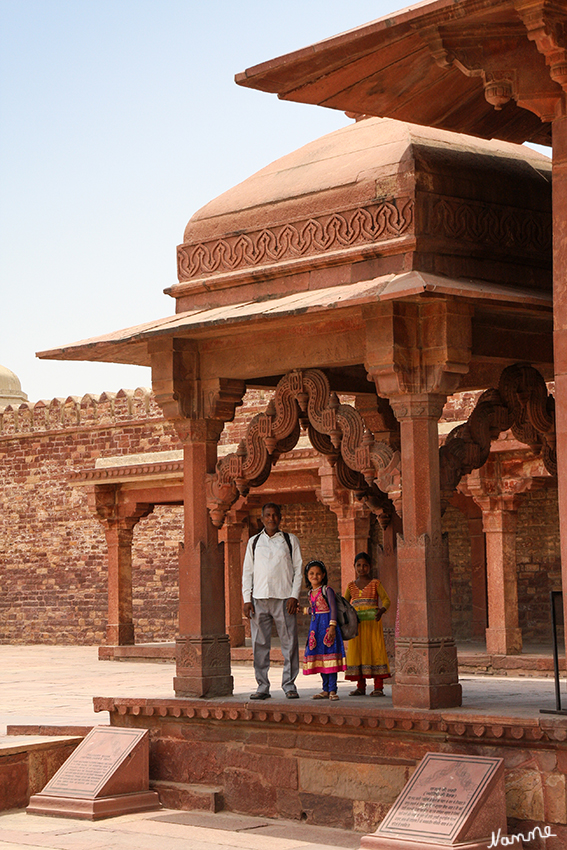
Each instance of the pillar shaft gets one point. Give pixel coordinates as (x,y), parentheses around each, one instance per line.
(354,531)
(478,577)
(120,625)
(231,535)
(426,656)
(503,637)
(560,326)
(203,649)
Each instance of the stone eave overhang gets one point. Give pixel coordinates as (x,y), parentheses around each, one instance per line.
(404,66)
(131,344)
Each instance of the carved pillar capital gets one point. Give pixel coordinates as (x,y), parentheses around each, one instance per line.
(545,25)
(494,491)
(418,348)
(510,67)
(180,390)
(418,406)
(110,504)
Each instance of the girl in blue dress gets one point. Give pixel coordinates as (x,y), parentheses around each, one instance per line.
(324,652)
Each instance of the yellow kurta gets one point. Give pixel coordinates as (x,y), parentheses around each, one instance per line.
(366,654)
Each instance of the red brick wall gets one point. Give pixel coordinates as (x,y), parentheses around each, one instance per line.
(53,551)
(53,585)
(538,560)
(456,528)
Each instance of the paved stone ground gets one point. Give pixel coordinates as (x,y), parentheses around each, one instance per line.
(46,685)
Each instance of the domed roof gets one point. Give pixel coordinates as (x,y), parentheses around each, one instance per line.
(10,388)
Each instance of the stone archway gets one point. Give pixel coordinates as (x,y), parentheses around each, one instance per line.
(303,399)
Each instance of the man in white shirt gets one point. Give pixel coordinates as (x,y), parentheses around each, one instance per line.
(271,582)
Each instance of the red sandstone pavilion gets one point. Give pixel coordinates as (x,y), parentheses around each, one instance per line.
(397,263)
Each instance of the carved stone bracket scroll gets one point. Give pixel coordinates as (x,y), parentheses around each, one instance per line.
(521,403)
(302,399)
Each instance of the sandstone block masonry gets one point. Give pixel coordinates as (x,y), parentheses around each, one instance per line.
(53,579)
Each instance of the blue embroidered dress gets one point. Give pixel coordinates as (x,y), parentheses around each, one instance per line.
(319,657)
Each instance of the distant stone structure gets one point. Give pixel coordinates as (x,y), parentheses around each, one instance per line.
(10,388)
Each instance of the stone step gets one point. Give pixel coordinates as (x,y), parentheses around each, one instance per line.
(27,763)
(178,795)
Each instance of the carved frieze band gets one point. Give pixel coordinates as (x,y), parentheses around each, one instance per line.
(344,229)
(321,718)
(526,231)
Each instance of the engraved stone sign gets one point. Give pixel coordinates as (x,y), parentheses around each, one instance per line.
(106,775)
(450,799)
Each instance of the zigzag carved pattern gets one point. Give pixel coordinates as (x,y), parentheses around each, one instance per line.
(521,403)
(524,230)
(301,398)
(298,239)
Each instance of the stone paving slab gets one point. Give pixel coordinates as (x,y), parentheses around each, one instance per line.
(47,686)
(54,686)
(168,830)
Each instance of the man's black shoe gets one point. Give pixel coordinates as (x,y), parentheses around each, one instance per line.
(292,695)
(258,695)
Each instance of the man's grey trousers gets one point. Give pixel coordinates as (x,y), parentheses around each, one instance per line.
(267,611)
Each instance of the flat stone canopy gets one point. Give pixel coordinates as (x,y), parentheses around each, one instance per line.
(422,64)
(376,211)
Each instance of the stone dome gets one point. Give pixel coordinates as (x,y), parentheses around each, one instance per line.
(10,388)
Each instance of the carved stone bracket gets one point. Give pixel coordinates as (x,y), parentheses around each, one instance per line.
(179,390)
(521,403)
(302,399)
(503,58)
(114,512)
(545,24)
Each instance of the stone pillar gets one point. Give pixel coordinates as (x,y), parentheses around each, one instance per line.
(231,535)
(354,531)
(426,655)
(466,504)
(388,575)
(560,326)
(416,353)
(478,577)
(388,564)
(497,493)
(503,636)
(353,520)
(119,519)
(202,647)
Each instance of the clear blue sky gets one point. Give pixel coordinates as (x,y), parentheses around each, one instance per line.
(119,119)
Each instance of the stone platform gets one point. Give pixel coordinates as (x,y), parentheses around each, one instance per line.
(343,764)
(535,661)
(313,763)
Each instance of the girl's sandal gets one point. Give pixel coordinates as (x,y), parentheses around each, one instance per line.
(333,695)
(322,695)
(357,693)
(377,694)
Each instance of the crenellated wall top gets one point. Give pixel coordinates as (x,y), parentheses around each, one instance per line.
(92,411)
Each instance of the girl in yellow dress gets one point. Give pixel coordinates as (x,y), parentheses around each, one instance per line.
(366,654)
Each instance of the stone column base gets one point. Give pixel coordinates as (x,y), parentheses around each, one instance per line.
(121,634)
(428,696)
(203,666)
(503,641)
